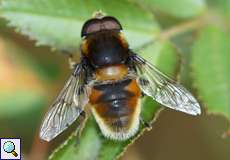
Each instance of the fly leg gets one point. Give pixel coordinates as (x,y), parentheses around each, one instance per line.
(143,94)
(146,124)
(71,61)
(72,64)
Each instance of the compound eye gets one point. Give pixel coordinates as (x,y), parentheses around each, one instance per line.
(111,23)
(95,25)
(90,26)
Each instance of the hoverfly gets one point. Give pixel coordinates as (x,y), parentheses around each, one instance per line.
(111,78)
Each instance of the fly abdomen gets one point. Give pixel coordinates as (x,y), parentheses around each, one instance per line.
(113,100)
(116,108)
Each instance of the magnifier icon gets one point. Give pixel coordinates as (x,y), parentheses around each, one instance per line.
(9,147)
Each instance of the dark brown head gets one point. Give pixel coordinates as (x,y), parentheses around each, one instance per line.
(103,42)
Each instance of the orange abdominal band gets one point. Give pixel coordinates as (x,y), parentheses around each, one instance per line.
(113,72)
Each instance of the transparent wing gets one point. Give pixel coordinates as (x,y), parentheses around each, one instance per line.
(164,90)
(66,108)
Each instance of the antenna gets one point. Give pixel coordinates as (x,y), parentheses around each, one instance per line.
(99,14)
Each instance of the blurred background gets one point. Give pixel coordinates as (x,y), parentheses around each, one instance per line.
(32,75)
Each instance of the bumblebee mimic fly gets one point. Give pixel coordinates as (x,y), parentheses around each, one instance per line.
(111,79)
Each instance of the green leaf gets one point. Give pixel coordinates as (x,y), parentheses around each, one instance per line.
(177,8)
(210,65)
(92,142)
(87,149)
(58,22)
(164,55)
(223,6)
